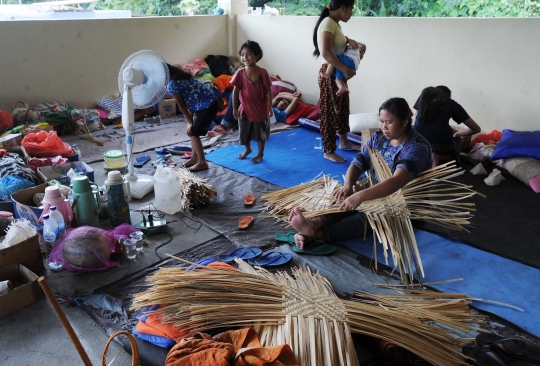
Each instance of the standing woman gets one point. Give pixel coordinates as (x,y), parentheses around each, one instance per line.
(330,42)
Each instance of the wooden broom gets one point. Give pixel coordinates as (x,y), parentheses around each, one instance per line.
(303,311)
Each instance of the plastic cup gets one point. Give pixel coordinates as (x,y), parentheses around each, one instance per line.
(130,248)
(136,236)
(318,143)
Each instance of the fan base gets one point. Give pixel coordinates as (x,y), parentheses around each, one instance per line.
(141,185)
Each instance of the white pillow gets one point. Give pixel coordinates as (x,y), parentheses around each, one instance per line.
(363,121)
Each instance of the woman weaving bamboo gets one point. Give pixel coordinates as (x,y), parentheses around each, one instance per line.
(407,154)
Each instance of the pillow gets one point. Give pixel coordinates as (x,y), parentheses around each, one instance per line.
(363,121)
(515,144)
(526,170)
(279,85)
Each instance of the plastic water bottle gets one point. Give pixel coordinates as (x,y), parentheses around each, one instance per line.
(57,216)
(77,151)
(50,232)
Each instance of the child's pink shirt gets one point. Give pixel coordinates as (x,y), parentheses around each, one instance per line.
(253,99)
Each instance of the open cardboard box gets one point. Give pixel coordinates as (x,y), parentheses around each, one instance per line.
(24,207)
(58,172)
(26,288)
(27,253)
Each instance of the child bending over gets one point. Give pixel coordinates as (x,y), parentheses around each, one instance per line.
(199,105)
(252,100)
(354,52)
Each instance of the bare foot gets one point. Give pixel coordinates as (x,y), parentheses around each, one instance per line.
(342,90)
(244,154)
(257,159)
(189,163)
(197,167)
(347,145)
(334,157)
(303,226)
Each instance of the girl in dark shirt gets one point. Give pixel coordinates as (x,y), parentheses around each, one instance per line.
(435,108)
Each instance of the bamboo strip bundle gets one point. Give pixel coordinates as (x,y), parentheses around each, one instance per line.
(195,192)
(431,197)
(303,311)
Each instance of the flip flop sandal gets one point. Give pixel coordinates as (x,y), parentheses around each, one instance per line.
(513,347)
(315,248)
(244,253)
(141,160)
(249,199)
(187,155)
(244,222)
(271,259)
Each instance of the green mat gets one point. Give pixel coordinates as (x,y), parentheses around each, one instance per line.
(316,248)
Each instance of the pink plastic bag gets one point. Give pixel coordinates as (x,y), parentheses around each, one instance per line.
(85,249)
(45,144)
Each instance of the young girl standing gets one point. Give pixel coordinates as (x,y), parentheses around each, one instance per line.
(199,105)
(252,91)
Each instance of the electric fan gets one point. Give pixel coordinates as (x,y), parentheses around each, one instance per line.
(142,80)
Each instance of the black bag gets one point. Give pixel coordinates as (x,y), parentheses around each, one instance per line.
(219,65)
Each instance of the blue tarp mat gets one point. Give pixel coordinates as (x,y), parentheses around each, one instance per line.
(289,159)
(485,276)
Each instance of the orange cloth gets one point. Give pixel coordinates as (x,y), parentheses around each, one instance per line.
(153,325)
(236,348)
(223,82)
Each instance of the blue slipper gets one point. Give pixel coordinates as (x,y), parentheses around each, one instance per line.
(202,263)
(271,259)
(244,253)
(350,149)
(141,160)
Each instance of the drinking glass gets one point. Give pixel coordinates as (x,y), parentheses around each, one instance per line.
(131,249)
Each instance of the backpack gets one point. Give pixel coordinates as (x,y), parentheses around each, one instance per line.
(219,65)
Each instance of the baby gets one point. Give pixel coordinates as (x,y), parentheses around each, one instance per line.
(354,52)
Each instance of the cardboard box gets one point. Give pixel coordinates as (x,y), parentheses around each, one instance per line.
(366,134)
(13,139)
(58,172)
(27,253)
(167,108)
(26,288)
(24,207)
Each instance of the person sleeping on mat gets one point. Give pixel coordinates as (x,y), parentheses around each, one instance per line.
(283,105)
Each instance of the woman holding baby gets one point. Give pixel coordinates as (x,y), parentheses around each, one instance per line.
(331,43)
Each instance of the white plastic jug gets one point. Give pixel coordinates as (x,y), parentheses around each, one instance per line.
(167,190)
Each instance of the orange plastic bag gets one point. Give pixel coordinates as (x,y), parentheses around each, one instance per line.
(489,138)
(6,121)
(45,144)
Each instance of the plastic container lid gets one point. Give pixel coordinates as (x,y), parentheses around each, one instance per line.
(114,154)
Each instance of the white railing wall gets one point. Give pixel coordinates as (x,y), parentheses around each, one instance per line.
(491,65)
(78,60)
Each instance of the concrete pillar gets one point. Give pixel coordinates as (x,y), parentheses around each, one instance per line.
(231,9)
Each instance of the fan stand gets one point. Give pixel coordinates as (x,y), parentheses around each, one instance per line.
(140,185)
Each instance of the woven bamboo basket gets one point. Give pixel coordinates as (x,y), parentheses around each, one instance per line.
(134,348)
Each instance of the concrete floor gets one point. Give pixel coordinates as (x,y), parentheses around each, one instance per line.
(34,335)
